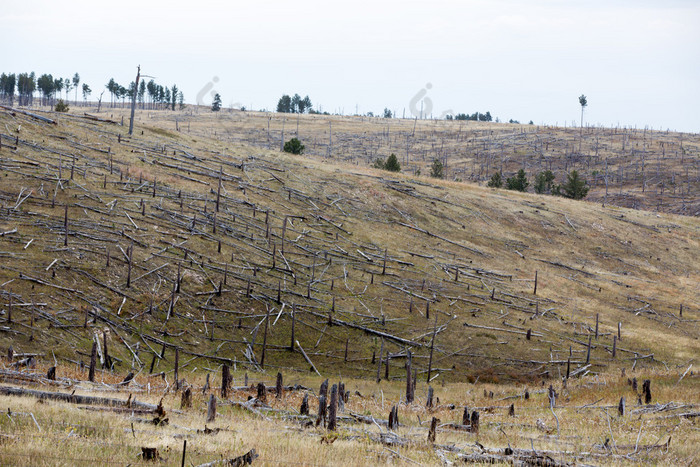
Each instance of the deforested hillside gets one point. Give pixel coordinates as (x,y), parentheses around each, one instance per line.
(230,253)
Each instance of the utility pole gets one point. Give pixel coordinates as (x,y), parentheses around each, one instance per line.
(133,100)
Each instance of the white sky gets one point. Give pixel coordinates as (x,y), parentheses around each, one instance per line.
(638,62)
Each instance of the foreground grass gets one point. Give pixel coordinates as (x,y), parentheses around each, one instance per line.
(586,428)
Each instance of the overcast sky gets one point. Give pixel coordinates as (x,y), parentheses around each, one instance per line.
(638,62)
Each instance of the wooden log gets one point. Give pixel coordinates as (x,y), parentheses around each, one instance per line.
(245,459)
(75,398)
(308,360)
(332,409)
(211,409)
(29,114)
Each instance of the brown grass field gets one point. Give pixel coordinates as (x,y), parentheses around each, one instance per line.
(373,264)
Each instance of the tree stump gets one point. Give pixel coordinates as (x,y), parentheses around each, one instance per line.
(429,403)
(225,379)
(278,386)
(211,409)
(393,418)
(433,428)
(51,374)
(304,409)
(321,410)
(262,392)
(93,362)
(186,399)
(621,407)
(465,416)
(474,428)
(150,454)
(646,390)
(332,409)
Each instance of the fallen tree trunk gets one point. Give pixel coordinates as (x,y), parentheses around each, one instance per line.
(75,398)
(29,114)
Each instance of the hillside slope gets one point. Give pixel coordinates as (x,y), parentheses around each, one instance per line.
(231,253)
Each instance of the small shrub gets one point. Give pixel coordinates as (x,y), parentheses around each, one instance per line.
(496,181)
(543,182)
(294,146)
(437,169)
(392,164)
(61,106)
(518,183)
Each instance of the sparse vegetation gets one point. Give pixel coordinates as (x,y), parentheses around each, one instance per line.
(575,187)
(61,106)
(543,182)
(228,242)
(437,169)
(216,103)
(519,182)
(496,181)
(294,146)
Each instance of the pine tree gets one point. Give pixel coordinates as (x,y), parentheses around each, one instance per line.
(437,169)
(294,146)
(392,164)
(543,181)
(496,181)
(76,82)
(575,186)
(216,104)
(518,183)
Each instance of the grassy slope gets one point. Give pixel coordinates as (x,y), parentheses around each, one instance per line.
(628,266)
(632,267)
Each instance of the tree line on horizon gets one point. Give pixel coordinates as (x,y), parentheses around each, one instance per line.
(23,87)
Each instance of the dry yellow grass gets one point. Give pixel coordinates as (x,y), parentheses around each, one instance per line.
(590,429)
(629,267)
